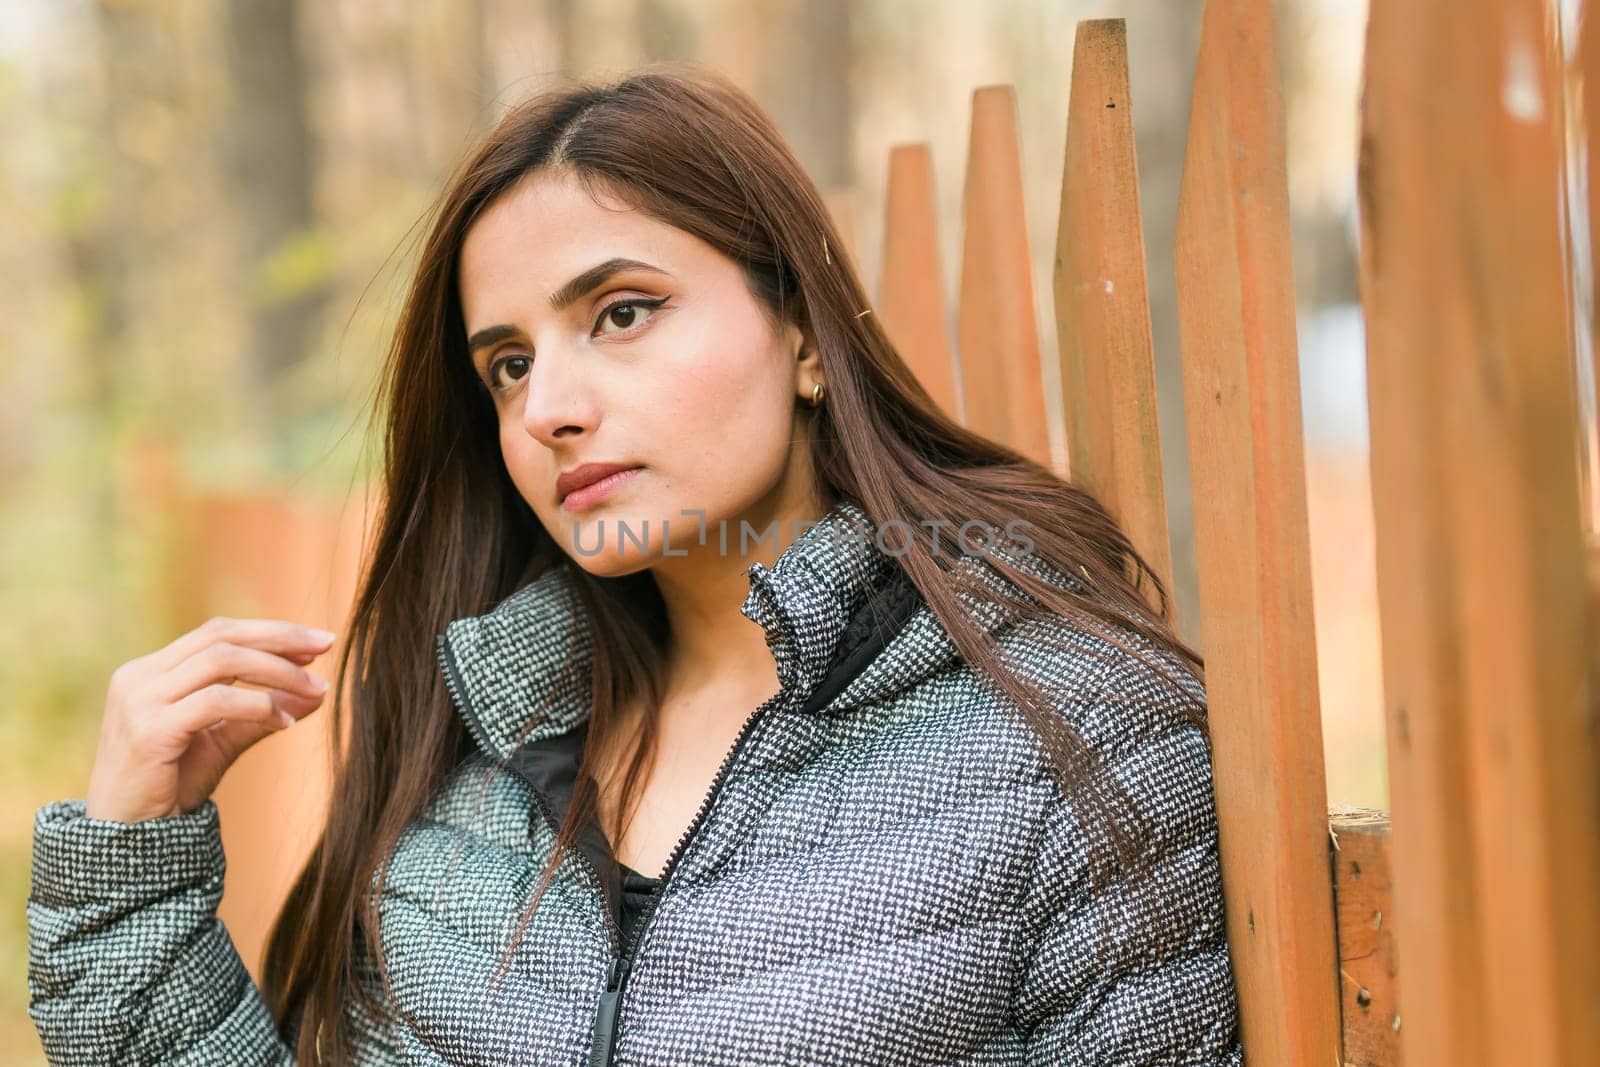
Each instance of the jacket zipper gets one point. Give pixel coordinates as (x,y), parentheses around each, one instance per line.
(605,1020)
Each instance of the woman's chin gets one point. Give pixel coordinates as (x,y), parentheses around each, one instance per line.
(610,542)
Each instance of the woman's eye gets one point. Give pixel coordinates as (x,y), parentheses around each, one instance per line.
(504,361)
(624,314)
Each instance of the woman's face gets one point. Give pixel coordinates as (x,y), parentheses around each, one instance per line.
(609,337)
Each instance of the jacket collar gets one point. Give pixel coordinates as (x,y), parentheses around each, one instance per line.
(520,672)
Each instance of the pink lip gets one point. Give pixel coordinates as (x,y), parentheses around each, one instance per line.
(594,492)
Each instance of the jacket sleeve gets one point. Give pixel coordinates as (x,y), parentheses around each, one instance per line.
(1136,972)
(127,961)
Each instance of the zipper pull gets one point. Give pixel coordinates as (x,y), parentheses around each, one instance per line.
(605,1018)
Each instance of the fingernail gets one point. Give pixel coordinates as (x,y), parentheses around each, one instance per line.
(285,718)
(319,684)
(323,635)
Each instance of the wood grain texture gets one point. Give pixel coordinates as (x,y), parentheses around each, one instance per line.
(1486,621)
(1368,966)
(997,331)
(1242,397)
(1442,1009)
(1102,302)
(911,300)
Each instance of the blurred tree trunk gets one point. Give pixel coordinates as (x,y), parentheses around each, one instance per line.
(121,239)
(270,149)
(664,32)
(100,243)
(615,34)
(798,59)
(820,82)
(448,81)
(475,16)
(100,238)
(564,24)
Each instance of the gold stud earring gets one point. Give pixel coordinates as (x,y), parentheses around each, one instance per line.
(816,395)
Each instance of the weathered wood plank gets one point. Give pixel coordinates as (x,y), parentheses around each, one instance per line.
(1486,627)
(1242,397)
(911,299)
(1442,993)
(1102,303)
(997,332)
(1364,911)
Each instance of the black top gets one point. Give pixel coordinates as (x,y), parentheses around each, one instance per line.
(636,889)
(550,766)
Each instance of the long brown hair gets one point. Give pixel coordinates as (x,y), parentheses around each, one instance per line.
(454,538)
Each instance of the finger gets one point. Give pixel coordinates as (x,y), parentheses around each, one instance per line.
(227,663)
(269,635)
(215,749)
(221,703)
(233,736)
(212,751)
(272,635)
(297,705)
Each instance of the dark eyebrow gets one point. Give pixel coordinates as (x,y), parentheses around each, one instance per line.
(566,296)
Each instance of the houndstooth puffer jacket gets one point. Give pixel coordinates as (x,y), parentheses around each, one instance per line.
(883,872)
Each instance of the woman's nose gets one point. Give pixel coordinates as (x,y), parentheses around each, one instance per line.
(557,399)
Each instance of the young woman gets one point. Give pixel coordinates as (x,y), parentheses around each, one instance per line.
(713,697)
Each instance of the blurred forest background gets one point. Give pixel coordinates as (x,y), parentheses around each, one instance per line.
(211,209)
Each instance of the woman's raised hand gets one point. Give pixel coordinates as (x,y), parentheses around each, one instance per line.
(175,722)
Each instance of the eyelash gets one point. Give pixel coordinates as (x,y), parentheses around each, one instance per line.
(644,302)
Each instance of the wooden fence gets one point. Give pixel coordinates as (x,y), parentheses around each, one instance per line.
(1487,560)
(1470,932)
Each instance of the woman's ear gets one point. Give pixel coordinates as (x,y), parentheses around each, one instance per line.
(808,361)
(799,341)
